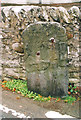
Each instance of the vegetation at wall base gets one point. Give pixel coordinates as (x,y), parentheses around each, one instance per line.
(20,87)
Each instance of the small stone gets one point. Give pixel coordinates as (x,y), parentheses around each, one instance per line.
(69,35)
(18,97)
(20,106)
(18,92)
(63,14)
(74,11)
(18,47)
(80,15)
(73,80)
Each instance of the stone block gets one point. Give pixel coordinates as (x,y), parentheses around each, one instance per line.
(73,80)
(18,47)
(44,43)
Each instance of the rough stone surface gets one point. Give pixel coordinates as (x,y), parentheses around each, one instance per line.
(46,58)
(37,1)
(18,47)
(0,55)
(16,19)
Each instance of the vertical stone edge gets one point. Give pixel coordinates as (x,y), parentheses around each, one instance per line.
(0,64)
(80,60)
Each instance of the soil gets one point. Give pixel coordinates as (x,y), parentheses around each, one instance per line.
(61,107)
(73,109)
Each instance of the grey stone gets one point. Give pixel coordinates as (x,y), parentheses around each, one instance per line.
(73,80)
(38,1)
(80,15)
(74,11)
(46,58)
(18,47)
(63,14)
(9,72)
(11,64)
(53,14)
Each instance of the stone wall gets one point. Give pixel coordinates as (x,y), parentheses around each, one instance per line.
(38,1)
(16,19)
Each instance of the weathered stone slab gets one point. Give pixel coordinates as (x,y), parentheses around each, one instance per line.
(46,58)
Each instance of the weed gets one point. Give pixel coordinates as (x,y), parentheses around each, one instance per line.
(20,87)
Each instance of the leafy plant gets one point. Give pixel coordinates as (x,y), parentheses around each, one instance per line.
(70,99)
(20,87)
(73,90)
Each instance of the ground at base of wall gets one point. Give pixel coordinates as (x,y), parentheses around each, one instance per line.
(65,105)
(61,107)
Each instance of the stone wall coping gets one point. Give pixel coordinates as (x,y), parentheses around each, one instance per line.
(37,1)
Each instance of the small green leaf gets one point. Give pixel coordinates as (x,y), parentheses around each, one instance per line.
(74,87)
(71,90)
